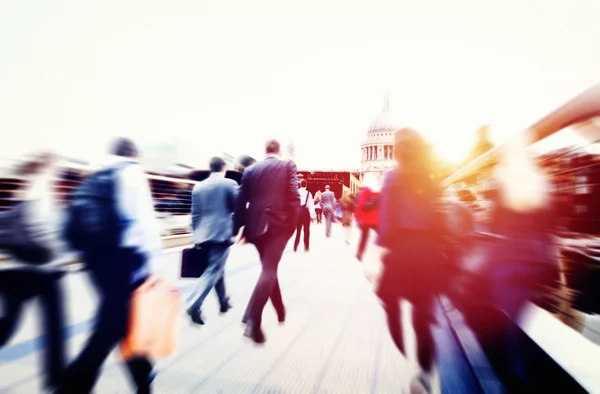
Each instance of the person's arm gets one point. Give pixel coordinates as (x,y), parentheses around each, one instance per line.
(242,202)
(196,210)
(386,211)
(232,192)
(311,206)
(293,196)
(134,200)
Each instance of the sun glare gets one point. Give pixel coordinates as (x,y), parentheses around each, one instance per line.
(453,152)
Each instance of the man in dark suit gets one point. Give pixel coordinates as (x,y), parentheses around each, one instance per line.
(268,206)
(213,203)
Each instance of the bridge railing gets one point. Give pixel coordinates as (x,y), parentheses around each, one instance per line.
(566,144)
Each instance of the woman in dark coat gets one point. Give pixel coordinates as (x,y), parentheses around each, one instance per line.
(408,224)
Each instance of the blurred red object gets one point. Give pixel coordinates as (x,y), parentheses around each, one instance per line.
(153,321)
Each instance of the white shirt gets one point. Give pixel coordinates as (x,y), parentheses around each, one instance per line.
(135,204)
(310,204)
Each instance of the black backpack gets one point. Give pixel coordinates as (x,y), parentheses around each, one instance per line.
(93,223)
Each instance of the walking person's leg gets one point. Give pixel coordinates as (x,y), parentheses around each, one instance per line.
(53,316)
(298,230)
(267,285)
(111,327)
(422,319)
(277,301)
(394,321)
(217,255)
(362,243)
(221,292)
(306,227)
(328,221)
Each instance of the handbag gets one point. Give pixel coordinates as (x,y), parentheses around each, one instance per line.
(194,261)
(153,321)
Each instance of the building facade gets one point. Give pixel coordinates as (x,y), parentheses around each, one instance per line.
(377,150)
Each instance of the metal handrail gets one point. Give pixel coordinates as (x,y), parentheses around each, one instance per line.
(582,107)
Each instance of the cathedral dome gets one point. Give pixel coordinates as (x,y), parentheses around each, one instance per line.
(382,128)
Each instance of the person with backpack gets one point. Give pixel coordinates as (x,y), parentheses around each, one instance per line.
(307,215)
(112,223)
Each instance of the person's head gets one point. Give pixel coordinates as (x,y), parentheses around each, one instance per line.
(273,147)
(124,147)
(303,183)
(521,186)
(327,188)
(244,162)
(217,164)
(415,159)
(318,194)
(346,195)
(37,165)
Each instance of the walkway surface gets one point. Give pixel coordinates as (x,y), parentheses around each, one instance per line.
(334,339)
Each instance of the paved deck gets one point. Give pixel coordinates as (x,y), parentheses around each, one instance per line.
(334,339)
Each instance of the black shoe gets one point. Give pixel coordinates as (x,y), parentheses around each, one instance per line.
(256,334)
(196,317)
(226,306)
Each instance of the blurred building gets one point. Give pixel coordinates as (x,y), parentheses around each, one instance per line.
(377,150)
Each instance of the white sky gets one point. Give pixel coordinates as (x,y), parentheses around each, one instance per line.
(215,76)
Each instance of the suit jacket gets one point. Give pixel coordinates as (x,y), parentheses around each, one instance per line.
(328,201)
(213,204)
(268,199)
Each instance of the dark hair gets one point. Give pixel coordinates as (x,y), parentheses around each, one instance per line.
(272,146)
(124,147)
(244,162)
(303,183)
(217,164)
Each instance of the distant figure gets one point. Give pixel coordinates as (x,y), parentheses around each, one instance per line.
(307,214)
(268,207)
(367,213)
(329,206)
(347,205)
(318,210)
(213,203)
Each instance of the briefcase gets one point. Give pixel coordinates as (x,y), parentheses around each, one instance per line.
(193,262)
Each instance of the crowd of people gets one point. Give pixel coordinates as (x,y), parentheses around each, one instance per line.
(420,256)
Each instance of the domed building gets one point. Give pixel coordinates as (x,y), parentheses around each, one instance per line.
(378,148)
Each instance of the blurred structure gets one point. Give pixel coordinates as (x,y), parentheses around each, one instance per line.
(377,149)
(572,165)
